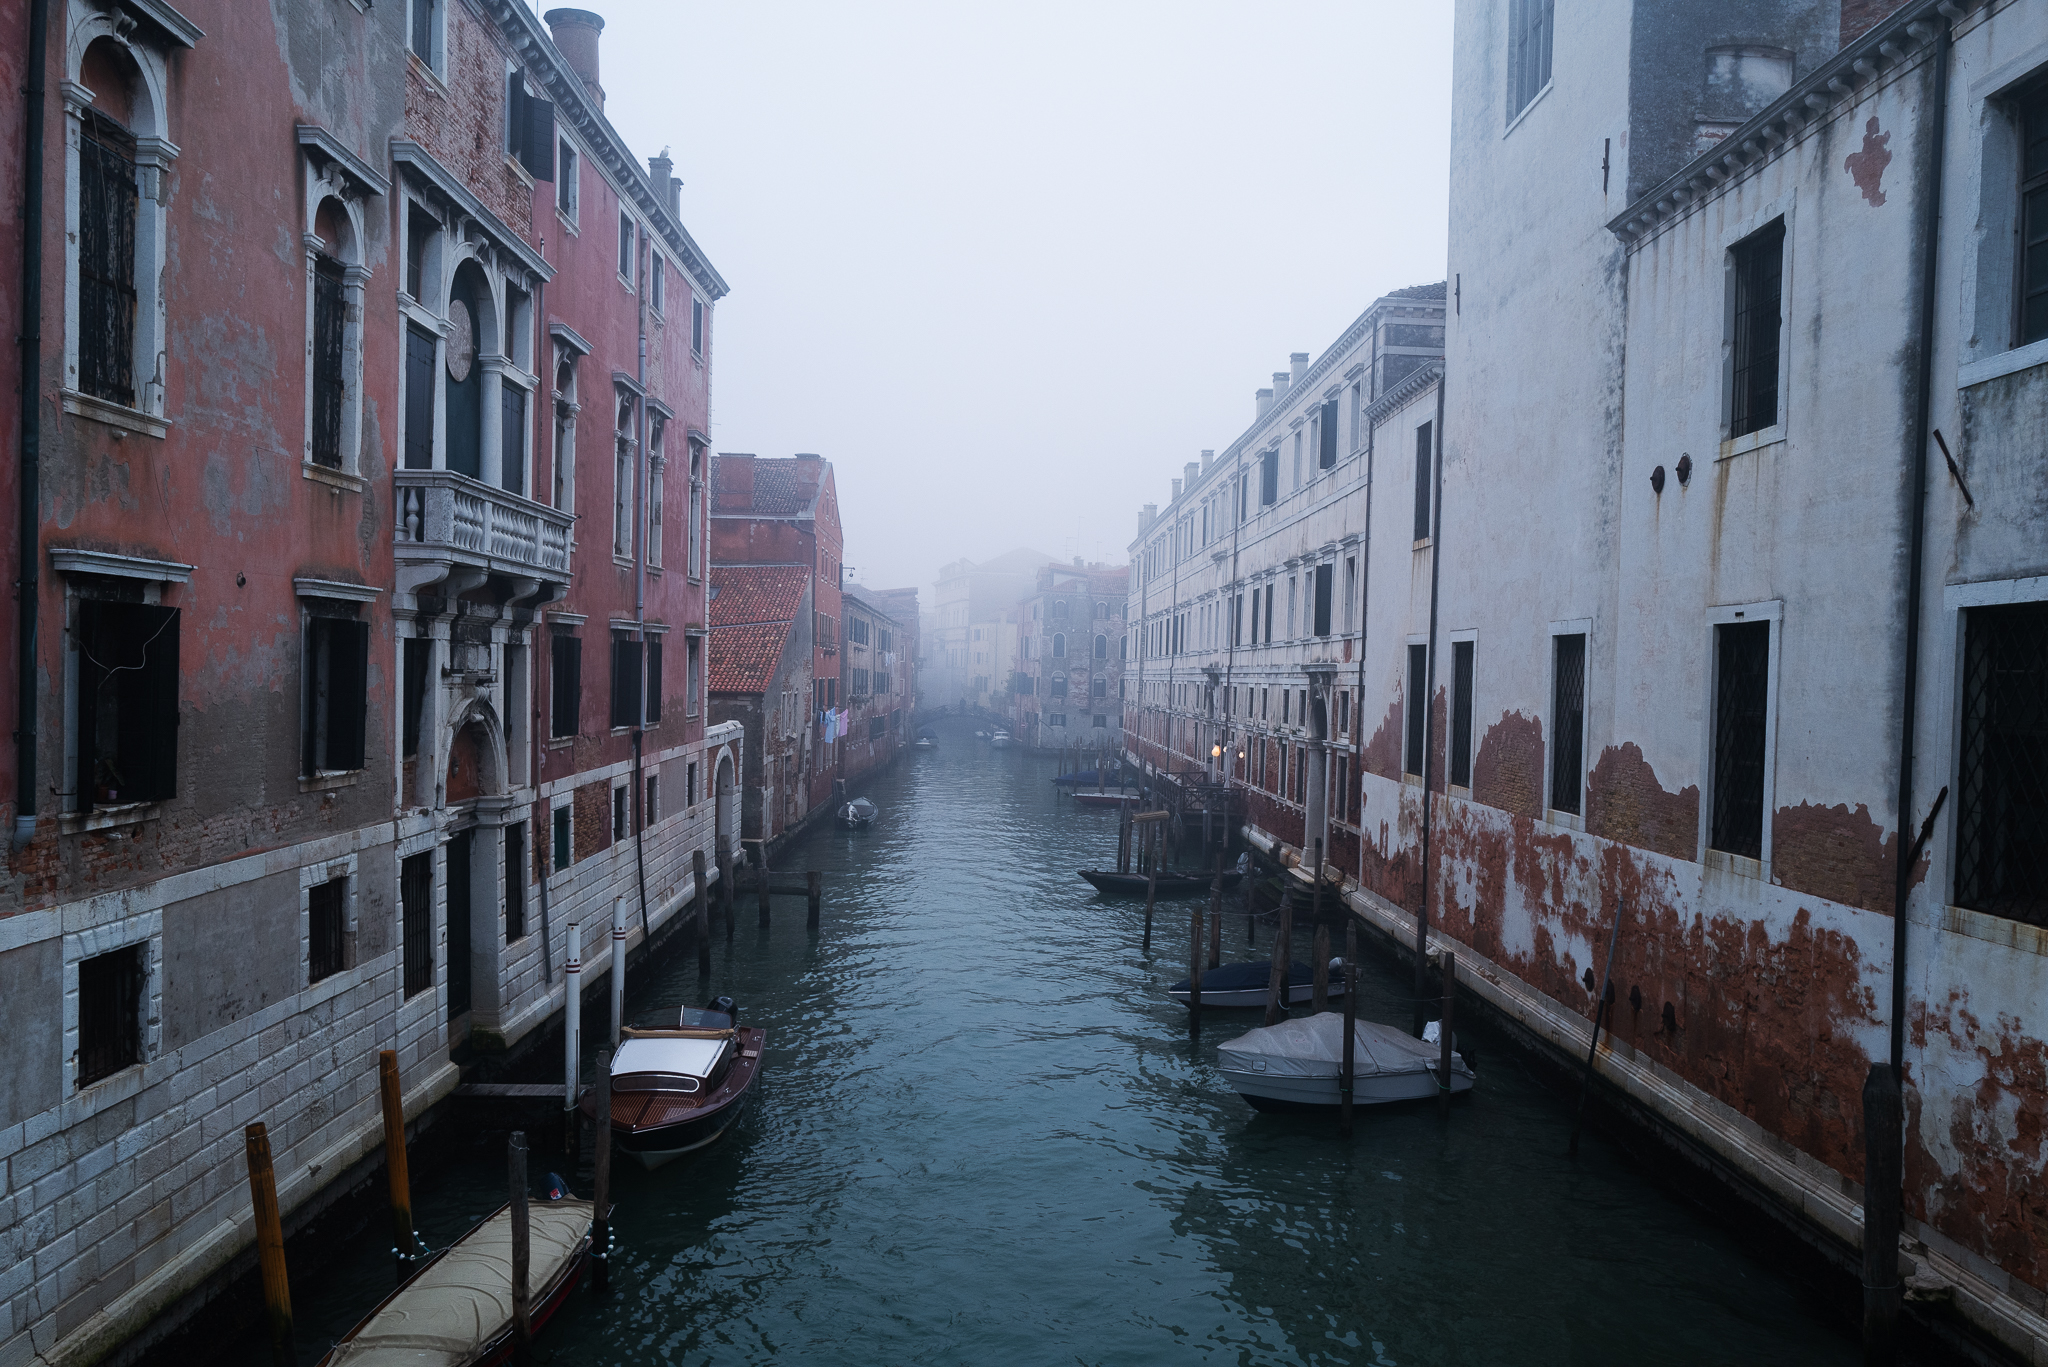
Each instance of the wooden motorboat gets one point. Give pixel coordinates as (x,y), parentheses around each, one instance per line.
(455,1310)
(858,814)
(1123,797)
(1294,1066)
(1170,884)
(678,1089)
(1240,985)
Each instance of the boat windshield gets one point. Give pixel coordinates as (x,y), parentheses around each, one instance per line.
(696,1018)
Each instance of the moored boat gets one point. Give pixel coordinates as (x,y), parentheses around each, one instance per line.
(858,814)
(1084,777)
(1121,798)
(1170,884)
(1235,985)
(1295,1065)
(456,1309)
(678,1089)
(1000,740)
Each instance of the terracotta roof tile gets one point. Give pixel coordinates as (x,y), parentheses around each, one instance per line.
(756,593)
(743,658)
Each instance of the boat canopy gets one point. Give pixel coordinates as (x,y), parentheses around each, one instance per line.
(688,1057)
(1313,1046)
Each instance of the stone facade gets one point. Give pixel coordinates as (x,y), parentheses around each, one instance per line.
(1067,688)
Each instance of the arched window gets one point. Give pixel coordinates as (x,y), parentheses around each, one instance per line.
(1101,646)
(566,409)
(1102,611)
(622,479)
(470,319)
(1059,645)
(1059,607)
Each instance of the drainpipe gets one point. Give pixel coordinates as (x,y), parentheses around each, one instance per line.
(1364,617)
(1436,560)
(638,805)
(29,540)
(542,845)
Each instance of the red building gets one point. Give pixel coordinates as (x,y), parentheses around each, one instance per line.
(761,680)
(364,566)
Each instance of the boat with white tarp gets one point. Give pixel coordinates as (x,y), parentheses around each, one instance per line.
(1295,1065)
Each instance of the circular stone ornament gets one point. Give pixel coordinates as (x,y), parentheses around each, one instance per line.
(461,341)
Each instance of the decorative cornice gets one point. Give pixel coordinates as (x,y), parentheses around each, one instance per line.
(172,24)
(1413,383)
(68,560)
(335,588)
(573,106)
(410,157)
(569,338)
(629,384)
(1900,41)
(322,143)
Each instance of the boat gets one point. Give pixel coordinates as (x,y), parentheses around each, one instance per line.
(455,1310)
(1000,740)
(1246,984)
(858,814)
(680,1088)
(1090,778)
(1121,798)
(1294,1066)
(1170,884)
(926,742)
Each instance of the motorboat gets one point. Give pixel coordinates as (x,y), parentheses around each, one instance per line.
(1000,740)
(1170,884)
(858,814)
(1085,778)
(680,1088)
(1295,1065)
(1122,797)
(1235,985)
(456,1307)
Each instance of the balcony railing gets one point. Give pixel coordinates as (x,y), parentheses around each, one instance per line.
(443,515)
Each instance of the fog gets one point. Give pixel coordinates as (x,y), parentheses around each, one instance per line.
(1009,267)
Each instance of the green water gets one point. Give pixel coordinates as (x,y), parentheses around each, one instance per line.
(983,1136)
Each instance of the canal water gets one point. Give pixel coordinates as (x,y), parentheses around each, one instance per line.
(984,1136)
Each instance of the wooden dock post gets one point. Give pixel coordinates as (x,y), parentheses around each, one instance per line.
(725,886)
(1251,905)
(1216,915)
(522,1250)
(277,1290)
(1277,986)
(761,888)
(1151,880)
(814,895)
(1319,944)
(703,912)
(403,1246)
(618,983)
(1344,1079)
(1443,1063)
(572,1023)
(601,1193)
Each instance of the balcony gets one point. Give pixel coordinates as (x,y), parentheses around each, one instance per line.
(456,531)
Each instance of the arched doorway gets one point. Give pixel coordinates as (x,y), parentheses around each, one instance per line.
(727,808)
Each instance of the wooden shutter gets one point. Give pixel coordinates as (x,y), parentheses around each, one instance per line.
(419,399)
(348,672)
(654,679)
(538,155)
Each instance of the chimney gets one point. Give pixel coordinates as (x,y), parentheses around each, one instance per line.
(733,478)
(1264,399)
(1189,471)
(659,171)
(675,198)
(1176,489)
(1281,381)
(1147,515)
(575,33)
(1208,459)
(1297,365)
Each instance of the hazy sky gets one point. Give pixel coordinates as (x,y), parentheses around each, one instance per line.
(1009,266)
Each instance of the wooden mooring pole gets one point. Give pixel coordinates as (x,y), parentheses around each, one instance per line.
(703,898)
(522,1250)
(1444,1030)
(1283,964)
(277,1290)
(1319,944)
(1195,970)
(814,894)
(1151,879)
(725,886)
(761,888)
(1344,1079)
(404,1248)
(601,1165)
(1216,915)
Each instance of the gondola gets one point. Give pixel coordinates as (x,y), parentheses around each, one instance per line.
(456,1308)
(1245,985)
(1170,884)
(678,1089)
(857,815)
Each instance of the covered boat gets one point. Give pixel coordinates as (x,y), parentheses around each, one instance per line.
(858,814)
(1246,984)
(1114,798)
(1000,740)
(1170,884)
(1092,778)
(1294,1065)
(456,1310)
(678,1089)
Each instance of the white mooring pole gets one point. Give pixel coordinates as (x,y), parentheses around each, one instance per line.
(618,968)
(572,979)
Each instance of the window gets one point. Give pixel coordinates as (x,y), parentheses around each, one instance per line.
(563,843)
(1292,597)
(656,280)
(655,465)
(1529,31)
(416,912)
(515,882)
(2032,289)
(695,568)
(2002,771)
(653,679)
(1567,722)
(622,480)
(566,188)
(1461,713)
(1056,719)
(329,384)
(127,703)
(511,436)
(565,684)
(326,928)
(693,668)
(1269,477)
(1098,688)
(620,830)
(1753,343)
(626,247)
(1059,645)
(1350,590)
(109,1013)
(650,809)
(1324,574)
(1297,461)
(625,682)
(1417,702)
(425,27)
(1101,723)
(1742,659)
(529,129)
(690,775)
(413,666)
(697,326)
(335,666)
(419,398)
(107,205)
(1326,436)
(1423,440)
(1101,646)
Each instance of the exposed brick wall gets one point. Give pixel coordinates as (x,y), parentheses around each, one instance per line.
(1860,16)
(461,121)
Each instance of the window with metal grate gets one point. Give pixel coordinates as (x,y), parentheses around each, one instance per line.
(416,915)
(1742,663)
(1424,447)
(515,881)
(109,1013)
(1418,684)
(2002,772)
(2031,296)
(107,202)
(326,928)
(1567,722)
(329,315)
(1461,713)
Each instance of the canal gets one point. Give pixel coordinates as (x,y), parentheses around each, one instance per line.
(983,1135)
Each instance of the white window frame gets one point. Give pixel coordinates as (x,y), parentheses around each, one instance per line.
(438,63)
(1574,626)
(1738,234)
(568,183)
(326,178)
(1773,612)
(146,930)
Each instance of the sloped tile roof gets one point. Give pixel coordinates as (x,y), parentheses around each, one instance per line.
(743,658)
(777,490)
(756,593)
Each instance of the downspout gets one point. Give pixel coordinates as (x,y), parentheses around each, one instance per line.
(1910,645)
(640,523)
(1436,560)
(28,540)
(1364,617)
(536,750)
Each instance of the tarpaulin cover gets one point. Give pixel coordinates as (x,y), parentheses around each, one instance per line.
(1313,1046)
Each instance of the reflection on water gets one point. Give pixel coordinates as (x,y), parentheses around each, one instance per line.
(984,1136)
